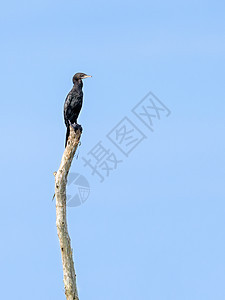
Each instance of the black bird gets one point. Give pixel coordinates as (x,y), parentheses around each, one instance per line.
(73,103)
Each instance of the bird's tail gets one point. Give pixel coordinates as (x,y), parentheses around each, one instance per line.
(67,134)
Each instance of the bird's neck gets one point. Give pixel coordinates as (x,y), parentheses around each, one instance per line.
(78,84)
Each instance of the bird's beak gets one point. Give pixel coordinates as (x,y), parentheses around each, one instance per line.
(86,76)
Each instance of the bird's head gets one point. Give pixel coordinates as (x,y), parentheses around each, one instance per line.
(79,76)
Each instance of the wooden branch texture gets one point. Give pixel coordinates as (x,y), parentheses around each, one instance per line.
(69,276)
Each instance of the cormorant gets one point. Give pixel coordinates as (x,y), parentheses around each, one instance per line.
(73,104)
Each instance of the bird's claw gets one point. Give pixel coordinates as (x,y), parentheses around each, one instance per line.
(76,126)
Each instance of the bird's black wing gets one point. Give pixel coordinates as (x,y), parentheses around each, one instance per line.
(67,108)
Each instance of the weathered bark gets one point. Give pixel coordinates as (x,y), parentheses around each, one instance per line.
(69,276)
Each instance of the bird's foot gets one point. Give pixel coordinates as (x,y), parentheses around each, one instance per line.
(76,126)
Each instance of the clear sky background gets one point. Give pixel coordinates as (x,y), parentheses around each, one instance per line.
(155,228)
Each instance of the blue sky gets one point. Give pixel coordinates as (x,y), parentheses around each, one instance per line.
(154,229)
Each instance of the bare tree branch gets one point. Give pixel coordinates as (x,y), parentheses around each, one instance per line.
(69,276)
